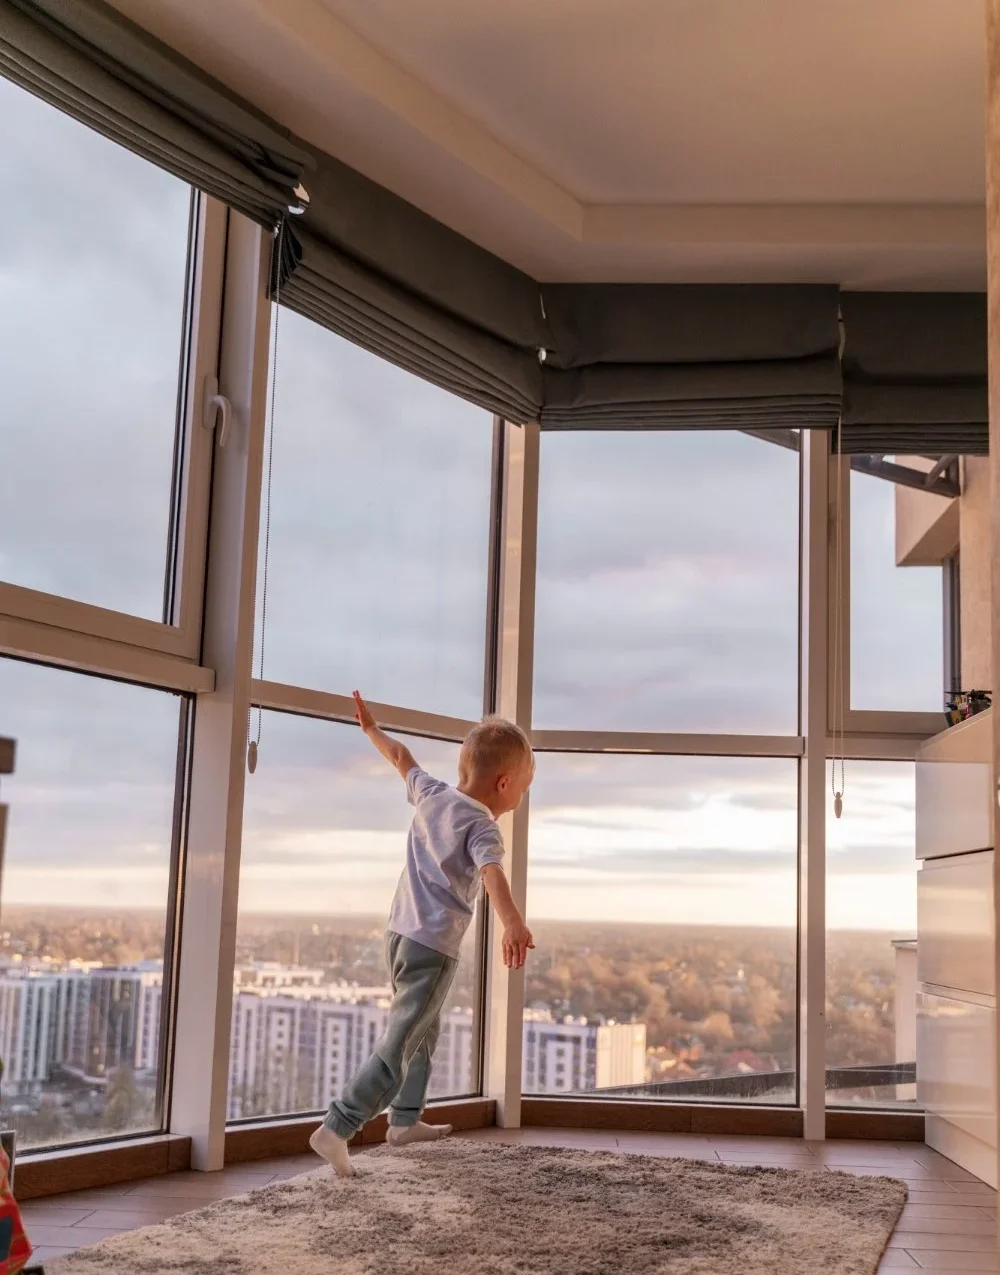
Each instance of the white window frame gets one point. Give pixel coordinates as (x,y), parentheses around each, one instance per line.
(181,638)
(202,1103)
(504,1061)
(909,728)
(64,633)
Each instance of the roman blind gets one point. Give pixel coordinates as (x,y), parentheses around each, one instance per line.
(691,356)
(91,62)
(915,377)
(381,272)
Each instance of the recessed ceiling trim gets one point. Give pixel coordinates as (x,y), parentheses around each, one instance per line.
(869,225)
(318,48)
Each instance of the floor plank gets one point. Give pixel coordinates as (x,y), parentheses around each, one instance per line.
(954,1263)
(897,1259)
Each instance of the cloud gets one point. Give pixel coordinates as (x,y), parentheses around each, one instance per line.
(667,592)
(92,277)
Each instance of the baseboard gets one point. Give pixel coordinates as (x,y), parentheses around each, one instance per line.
(661,1117)
(82,1168)
(268,1139)
(751,1120)
(876,1126)
(963,1148)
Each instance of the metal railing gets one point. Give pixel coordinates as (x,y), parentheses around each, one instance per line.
(756,1084)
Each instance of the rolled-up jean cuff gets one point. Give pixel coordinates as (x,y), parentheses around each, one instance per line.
(336,1124)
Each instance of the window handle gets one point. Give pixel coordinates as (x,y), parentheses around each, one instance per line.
(217,410)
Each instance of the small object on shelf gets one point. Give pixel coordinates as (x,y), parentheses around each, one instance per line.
(961,705)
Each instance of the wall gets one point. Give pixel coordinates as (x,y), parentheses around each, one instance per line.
(927,525)
(929,528)
(974,565)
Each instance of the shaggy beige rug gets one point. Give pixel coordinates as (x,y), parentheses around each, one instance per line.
(477,1208)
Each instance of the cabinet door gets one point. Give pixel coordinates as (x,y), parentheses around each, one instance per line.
(956,1070)
(955,923)
(955,790)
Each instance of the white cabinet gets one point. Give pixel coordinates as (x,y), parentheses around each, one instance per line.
(956,945)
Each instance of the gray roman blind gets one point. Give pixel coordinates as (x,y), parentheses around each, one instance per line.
(915,373)
(665,356)
(386,275)
(88,60)
(383,273)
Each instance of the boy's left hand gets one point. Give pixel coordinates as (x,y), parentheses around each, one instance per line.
(517,940)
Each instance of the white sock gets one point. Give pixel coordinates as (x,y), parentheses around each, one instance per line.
(334,1150)
(401,1135)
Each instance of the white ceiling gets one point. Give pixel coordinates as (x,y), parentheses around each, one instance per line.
(703,101)
(657,139)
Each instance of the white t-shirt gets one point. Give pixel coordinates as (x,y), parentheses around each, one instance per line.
(451,839)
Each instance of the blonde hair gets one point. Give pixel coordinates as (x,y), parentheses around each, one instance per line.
(492,746)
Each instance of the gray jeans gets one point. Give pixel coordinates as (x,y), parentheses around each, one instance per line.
(397,1074)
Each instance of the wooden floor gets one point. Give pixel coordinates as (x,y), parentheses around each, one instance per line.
(948,1226)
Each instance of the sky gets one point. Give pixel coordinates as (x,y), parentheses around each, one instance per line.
(667,600)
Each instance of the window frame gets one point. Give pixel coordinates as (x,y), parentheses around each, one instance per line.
(911,728)
(334,707)
(667,743)
(173,906)
(178,634)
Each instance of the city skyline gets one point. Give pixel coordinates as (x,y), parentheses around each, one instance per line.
(82,1009)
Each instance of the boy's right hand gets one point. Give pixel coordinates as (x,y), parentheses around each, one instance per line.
(517,939)
(364,714)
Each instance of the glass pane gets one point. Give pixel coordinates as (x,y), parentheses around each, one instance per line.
(662,897)
(897,620)
(86,884)
(871,963)
(93,264)
(324,839)
(379,529)
(668,568)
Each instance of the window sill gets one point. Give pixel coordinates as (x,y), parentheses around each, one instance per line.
(81,1168)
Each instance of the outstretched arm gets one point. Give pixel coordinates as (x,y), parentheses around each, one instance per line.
(395,753)
(517,938)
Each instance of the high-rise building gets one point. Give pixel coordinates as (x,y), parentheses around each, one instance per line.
(89,1021)
(295,1039)
(575,1056)
(294,1052)
(452,1073)
(27,1021)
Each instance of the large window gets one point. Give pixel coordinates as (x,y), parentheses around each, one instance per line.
(667,594)
(897,620)
(86,903)
(871,938)
(379,532)
(93,273)
(324,843)
(662,897)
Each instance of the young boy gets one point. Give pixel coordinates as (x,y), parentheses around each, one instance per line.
(453,844)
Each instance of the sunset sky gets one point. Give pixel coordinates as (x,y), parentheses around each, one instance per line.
(667,600)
